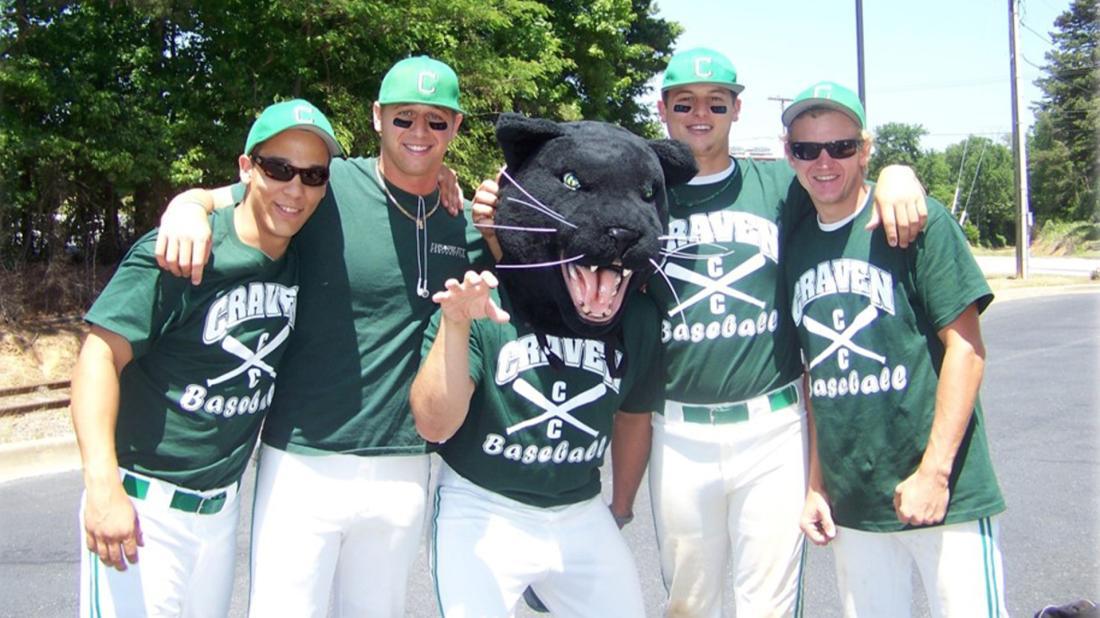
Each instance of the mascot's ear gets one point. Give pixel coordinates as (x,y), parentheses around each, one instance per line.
(520,136)
(677,162)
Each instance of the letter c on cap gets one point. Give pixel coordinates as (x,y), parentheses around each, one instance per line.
(702,67)
(303,114)
(425,82)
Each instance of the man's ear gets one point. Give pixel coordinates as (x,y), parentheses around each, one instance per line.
(676,159)
(519,136)
(244,166)
(377,112)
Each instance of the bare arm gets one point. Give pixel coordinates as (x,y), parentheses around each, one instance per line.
(817,517)
(450,192)
(110,524)
(183,240)
(899,205)
(441,391)
(922,498)
(630,445)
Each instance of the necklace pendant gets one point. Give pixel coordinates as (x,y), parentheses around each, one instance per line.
(421,290)
(419,223)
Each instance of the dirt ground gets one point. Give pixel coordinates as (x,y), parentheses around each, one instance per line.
(32,355)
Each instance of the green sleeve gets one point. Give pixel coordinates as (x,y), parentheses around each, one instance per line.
(796,204)
(946,276)
(237,191)
(140,298)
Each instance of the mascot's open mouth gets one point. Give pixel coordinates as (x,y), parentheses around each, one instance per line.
(597,291)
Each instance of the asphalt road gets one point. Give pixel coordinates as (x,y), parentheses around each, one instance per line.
(1040,395)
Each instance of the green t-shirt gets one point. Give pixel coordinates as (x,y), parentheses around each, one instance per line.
(722,329)
(868,317)
(537,434)
(345,380)
(205,357)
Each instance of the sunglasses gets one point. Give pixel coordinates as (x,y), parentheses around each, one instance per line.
(681,108)
(434,125)
(840,149)
(277,169)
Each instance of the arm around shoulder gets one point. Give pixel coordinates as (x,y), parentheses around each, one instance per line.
(183,237)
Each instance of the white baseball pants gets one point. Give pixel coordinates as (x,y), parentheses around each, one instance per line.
(335,525)
(731,494)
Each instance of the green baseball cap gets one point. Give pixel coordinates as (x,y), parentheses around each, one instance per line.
(701,66)
(829,95)
(293,114)
(420,79)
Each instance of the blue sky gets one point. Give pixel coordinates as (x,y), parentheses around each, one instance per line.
(943,64)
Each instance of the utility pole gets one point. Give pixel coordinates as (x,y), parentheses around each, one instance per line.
(783,101)
(1023,215)
(859,54)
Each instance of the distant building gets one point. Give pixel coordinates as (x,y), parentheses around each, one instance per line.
(758,152)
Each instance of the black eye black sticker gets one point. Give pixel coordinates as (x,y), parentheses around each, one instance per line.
(681,108)
(402,123)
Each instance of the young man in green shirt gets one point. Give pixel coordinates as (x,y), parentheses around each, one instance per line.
(173,382)
(341,490)
(900,472)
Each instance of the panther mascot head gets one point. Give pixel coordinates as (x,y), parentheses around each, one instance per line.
(582,208)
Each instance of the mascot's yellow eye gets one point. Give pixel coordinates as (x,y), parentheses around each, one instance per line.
(570,180)
(648,192)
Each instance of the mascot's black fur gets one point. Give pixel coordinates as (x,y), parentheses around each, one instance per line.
(591,197)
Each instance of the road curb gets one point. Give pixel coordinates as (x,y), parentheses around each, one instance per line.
(38,457)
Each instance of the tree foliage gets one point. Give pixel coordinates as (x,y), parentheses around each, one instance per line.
(1064,167)
(973,179)
(896,143)
(107,108)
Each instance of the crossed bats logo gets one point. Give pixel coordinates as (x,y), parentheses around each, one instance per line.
(720,285)
(254,360)
(841,338)
(551,410)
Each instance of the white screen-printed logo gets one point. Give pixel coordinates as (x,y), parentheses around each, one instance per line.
(303,114)
(702,67)
(425,82)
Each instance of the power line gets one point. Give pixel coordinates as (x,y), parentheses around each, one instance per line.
(1036,33)
(1041,68)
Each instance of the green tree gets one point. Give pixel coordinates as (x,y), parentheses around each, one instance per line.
(107,108)
(896,143)
(986,192)
(1064,169)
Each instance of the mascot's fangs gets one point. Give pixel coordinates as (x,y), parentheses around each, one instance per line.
(582,211)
